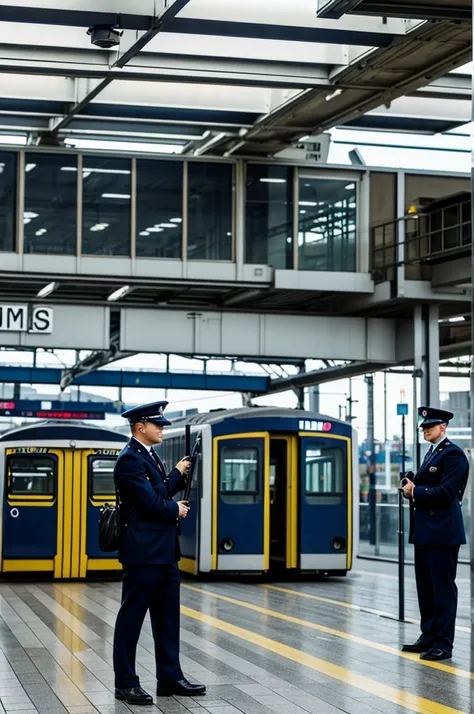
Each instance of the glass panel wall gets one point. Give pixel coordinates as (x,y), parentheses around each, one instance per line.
(210,213)
(106,206)
(50,203)
(159,209)
(269,216)
(8,162)
(327,224)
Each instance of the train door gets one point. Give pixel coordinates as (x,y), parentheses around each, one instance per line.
(283,503)
(44,513)
(325,529)
(241,502)
(33,481)
(98,469)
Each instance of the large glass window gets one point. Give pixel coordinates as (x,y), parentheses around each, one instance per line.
(31,475)
(7,200)
(102,473)
(269,215)
(239,470)
(210,211)
(50,204)
(106,206)
(324,470)
(159,209)
(327,224)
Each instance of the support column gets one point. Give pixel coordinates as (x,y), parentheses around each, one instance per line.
(426,364)
(314,401)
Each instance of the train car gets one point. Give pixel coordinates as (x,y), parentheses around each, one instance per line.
(275,490)
(54,477)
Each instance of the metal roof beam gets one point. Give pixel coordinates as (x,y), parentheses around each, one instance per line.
(172,68)
(86,94)
(418,9)
(138,15)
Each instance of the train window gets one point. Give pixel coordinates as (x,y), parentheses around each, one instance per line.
(239,470)
(324,471)
(102,476)
(31,475)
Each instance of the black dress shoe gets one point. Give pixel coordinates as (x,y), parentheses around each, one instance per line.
(133,695)
(436,654)
(182,688)
(418,647)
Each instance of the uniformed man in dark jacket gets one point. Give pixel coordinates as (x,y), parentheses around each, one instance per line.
(149,551)
(437,531)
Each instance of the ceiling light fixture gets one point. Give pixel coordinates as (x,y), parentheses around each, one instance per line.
(120,293)
(47,290)
(120,196)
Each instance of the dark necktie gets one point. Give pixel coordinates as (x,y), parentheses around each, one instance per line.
(428,453)
(153,455)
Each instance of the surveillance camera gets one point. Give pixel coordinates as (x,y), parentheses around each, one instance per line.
(104,36)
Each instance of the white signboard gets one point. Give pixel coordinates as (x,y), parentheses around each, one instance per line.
(26,318)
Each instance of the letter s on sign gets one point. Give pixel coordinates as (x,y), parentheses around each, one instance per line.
(42,320)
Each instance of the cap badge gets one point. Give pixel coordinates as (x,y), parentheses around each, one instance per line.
(424,412)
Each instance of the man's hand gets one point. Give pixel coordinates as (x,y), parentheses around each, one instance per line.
(183,465)
(183,509)
(408,489)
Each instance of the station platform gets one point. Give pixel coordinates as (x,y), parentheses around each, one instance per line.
(325,647)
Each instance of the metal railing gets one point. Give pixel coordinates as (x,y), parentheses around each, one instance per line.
(422,238)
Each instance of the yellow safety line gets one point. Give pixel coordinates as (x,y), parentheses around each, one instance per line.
(409,701)
(350,606)
(336,633)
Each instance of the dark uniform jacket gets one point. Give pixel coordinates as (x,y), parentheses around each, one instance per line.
(435,511)
(149,513)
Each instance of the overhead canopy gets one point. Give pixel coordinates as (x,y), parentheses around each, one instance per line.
(418,9)
(233,77)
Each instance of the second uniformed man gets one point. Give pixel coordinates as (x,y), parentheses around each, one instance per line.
(149,552)
(437,531)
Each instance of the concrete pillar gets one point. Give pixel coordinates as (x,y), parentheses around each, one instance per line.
(314,401)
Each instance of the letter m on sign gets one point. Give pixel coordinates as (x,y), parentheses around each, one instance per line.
(14,318)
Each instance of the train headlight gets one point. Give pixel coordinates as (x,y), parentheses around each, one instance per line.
(338,543)
(227,544)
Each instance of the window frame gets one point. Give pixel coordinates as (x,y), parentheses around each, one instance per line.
(255,492)
(42,497)
(99,497)
(325,494)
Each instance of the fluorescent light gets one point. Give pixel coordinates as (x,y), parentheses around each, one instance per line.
(41,232)
(120,293)
(308,203)
(124,146)
(12,139)
(272,180)
(460,318)
(30,167)
(144,233)
(176,220)
(86,171)
(333,95)
(99,227)
(350,186)
(30,214)
(155,229)
(124,196)
(166,225)
(47,290)
(303,212)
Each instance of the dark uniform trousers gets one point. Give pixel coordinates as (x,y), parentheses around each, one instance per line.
(154,588)
(435,570)
(149,552)
(437,532)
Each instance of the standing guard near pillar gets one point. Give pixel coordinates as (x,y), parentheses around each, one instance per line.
(437,532)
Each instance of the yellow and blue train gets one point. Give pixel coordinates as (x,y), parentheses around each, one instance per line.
(274,491)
